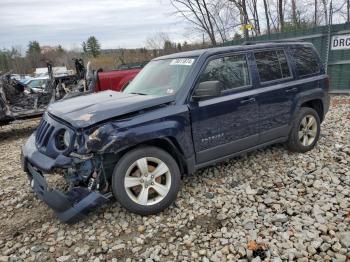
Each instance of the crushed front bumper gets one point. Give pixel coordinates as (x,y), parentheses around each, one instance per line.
(70,207)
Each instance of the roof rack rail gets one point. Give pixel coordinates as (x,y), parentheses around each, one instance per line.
(269,41)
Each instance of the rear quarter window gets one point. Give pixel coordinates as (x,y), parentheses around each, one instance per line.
(306,61)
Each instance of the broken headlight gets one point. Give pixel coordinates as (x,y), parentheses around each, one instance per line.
(63,139)
(67,138)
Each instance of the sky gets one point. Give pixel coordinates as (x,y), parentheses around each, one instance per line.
(115,23)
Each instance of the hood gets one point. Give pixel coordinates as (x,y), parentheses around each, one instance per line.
(84,111)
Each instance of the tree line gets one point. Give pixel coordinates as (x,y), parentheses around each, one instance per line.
(14,61)
(215,21)
(222,20)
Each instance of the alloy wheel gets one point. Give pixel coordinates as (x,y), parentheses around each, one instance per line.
(147,181)
(307,130)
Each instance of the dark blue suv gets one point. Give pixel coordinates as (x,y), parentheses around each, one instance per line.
(182,112)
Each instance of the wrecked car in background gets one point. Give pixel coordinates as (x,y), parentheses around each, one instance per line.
(26,100)
(30,98)
(17,102)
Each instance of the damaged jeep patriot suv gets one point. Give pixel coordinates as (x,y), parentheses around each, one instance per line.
(182,112)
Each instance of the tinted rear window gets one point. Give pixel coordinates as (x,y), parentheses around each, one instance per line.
(305,60)
(272,65)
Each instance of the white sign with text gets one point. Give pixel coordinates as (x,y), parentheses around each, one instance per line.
(340,42)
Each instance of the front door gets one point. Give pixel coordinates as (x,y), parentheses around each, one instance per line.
(229,123)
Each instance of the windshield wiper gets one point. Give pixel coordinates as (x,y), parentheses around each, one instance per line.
(134,93)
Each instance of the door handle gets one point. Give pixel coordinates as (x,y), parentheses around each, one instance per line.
(292,90)
(248,101)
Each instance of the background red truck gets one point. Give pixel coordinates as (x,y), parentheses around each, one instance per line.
(115,80)
(118,79)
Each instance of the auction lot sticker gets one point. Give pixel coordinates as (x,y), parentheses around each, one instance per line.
(182,61)
(340,42)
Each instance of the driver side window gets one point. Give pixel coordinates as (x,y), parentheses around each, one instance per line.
(232,71)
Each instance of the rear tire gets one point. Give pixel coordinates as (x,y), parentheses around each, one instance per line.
(305,131)
(146,180)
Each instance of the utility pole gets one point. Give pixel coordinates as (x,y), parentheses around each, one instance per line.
(329,35)
(245,19)
(281,15)
(331,13)
(348,10)
(267,18)
(294,13)
(316,12)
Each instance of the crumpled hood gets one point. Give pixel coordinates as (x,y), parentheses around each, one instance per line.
(84,111)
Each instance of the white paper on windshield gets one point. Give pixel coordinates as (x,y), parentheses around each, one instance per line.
(182,61)
(170,91)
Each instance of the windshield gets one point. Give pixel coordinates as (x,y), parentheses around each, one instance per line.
(161,77)
(39,83)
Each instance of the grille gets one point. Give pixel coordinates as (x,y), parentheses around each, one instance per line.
(43,133)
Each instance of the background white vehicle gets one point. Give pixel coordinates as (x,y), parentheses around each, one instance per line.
(36,85)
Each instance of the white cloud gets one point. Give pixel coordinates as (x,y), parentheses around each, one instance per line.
(116,23)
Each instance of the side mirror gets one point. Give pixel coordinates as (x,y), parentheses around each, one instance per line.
(207,89)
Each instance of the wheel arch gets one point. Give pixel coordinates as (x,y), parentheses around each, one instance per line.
(169,145)
(311,98)
(317,105)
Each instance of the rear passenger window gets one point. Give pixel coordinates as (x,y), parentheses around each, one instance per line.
(305,61)
(272,65)
(232,71)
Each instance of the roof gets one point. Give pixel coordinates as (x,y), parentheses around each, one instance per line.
(225,49)
(56,70)
(39,78)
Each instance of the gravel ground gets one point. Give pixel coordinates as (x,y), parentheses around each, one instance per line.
(270,205)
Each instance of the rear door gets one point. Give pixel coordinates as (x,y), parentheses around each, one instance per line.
(275,93)
(229,123)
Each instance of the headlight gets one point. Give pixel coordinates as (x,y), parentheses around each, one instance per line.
(67,138)
(63,139)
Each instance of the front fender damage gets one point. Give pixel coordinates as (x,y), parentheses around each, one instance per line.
(101,140)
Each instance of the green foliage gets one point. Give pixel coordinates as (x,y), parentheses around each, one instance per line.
(33,48)
(237,36)
(11,59)
(92,46)
(4,60)
(298,23)
(83,45)
(169,47)
(179,47)
(34,53)
(60,49)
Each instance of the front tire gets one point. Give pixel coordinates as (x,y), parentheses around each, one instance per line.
(146,180)
(305,131)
